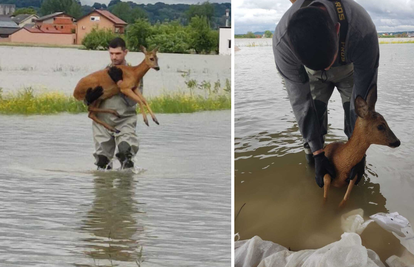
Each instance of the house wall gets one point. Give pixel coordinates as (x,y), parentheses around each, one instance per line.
(24,23)
(24,36)
(85,25)
(224,41)
(28,20)
(7,9)
(51,20)
(4,40)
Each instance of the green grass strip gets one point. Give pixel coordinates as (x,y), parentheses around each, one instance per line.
(25,102)
(397,42)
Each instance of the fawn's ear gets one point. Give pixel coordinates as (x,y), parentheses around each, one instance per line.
(155,49)
(143,49)
(372,98)
(361,107)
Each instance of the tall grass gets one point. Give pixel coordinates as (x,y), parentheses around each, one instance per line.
(26,102)
(397,42)
(186,103)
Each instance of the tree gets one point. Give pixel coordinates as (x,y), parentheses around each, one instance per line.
(137,34)
(99,6)
(70,7)
(268,34)
(124,11)
(250,35)
(98,38)
(201,38)
(24,11)
(138,13)
(171,37)
(204,10)
(113,2)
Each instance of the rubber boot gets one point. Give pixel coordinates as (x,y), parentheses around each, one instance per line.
(308,154)
(124,155)
(102,163)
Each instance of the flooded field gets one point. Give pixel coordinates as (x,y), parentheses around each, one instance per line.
(59,69)
(57,211)
(276,196)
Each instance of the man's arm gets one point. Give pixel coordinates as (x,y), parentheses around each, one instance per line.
(297,85)
(366,59)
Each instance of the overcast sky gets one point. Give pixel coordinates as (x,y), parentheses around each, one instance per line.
(91,2)
(261,15)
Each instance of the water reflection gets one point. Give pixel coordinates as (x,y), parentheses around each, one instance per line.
(111,222)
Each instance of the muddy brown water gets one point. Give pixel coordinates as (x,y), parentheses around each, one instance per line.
(282,202)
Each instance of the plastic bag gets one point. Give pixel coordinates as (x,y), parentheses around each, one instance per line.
(399,226)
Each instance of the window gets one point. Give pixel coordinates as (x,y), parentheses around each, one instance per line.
(230,43)
(95,18)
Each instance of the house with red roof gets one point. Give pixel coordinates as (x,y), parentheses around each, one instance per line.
(60,29)
(56,29)
(101,19)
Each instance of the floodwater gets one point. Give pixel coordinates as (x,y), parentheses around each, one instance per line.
(57,211)
(60,69)
(276,196)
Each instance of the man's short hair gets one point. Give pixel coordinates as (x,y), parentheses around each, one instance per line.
(117,42)
(313,37)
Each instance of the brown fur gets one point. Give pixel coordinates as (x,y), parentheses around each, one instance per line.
(344,156)
(132,75)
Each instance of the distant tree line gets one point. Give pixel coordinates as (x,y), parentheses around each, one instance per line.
(130,11)
(267,34)
(171,37)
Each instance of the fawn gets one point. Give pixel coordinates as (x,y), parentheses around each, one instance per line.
(370,128)
(103,84)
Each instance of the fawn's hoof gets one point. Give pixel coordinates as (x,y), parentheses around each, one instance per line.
(146,122)
(117,131)
(156,121)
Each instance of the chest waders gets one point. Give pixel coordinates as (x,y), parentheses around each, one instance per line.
(323,82)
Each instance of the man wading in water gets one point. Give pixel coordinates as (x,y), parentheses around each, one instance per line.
(127,140)
(319,45)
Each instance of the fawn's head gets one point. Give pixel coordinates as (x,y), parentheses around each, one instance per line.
(151,58)
(373,124)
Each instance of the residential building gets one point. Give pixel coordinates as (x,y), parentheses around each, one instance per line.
(25,19)
(101,19)
(225,37)
(7,27)
(35,35)
(7,9)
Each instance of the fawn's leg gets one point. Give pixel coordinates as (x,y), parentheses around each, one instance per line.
(138,93)
(128,92)
(93,108)
(327,182)
(348,191)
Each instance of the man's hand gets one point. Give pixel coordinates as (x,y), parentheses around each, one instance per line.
(115,73)
(322,167)
(93,94)
(358,170)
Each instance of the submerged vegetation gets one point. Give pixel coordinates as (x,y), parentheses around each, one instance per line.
(27,102)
